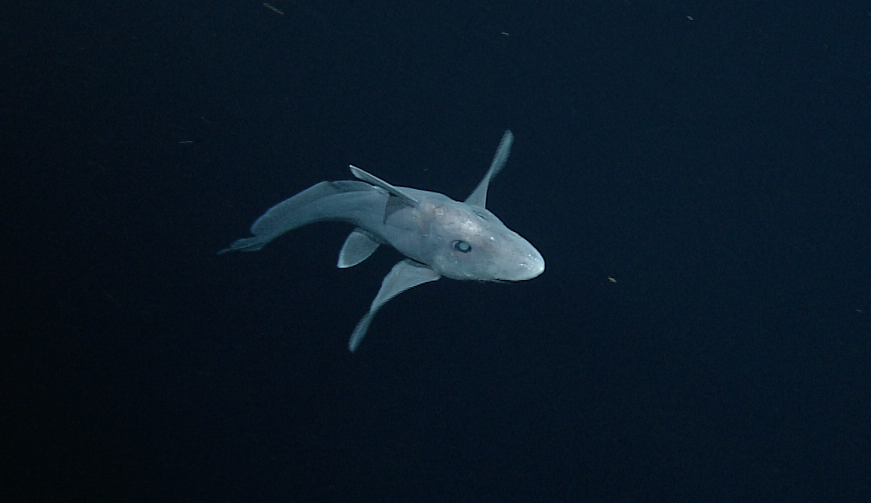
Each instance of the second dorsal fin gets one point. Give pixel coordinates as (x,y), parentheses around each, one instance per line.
(374,180)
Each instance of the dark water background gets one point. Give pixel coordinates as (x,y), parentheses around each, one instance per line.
(712,159)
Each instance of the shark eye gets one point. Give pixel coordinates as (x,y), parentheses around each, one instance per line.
(481,216)
(462,246)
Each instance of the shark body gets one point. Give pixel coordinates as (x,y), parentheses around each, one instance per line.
(438,235)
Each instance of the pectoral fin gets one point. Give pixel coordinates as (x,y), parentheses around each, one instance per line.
(404,275)
(357,248)
(478,197)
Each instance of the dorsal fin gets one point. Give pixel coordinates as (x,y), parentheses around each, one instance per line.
(478,197)
(374,180)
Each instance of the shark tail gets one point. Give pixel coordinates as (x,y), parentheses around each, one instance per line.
(322,201)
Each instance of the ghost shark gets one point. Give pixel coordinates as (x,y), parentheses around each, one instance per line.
(439,236)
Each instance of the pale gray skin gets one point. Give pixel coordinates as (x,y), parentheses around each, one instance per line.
(440,236)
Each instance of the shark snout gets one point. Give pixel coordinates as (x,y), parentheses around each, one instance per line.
(531,266)
(525,264)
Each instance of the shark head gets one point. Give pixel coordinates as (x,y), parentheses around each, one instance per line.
(470,243)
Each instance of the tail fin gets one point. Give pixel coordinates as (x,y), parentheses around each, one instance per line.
(309,206)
